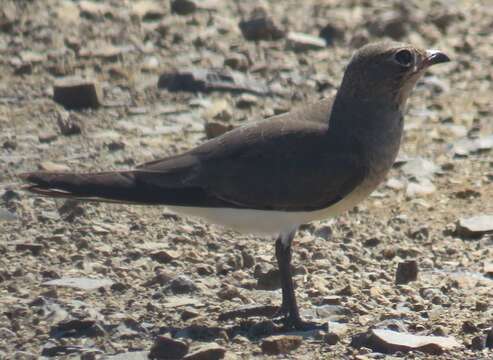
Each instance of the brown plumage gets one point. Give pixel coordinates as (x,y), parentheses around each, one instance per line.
(271,176)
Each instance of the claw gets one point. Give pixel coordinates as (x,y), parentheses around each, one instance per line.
(296,323)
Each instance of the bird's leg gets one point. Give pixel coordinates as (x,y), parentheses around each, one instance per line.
(283,255)
(289,306)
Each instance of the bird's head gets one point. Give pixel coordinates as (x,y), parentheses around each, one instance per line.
(387,71)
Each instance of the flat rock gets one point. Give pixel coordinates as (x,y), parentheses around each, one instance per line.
(165,347)
(132,355)
(249,311)
(390,341)
(326,313)
(211,351)
(467,146)
(51,166)
(204,80)
(475,226)
(280,344)
(178,301)
(301,42)
(419,168)
(107,52)
(82,283)
(419,188)
(75,93)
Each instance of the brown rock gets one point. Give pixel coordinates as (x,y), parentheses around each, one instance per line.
(165,347)
(216,128)
(81,283)
(74,93)
(407,271)
(165,256)
(207,352)
(301,42)
(260,27)
(47,137)
(389,341)
(51,166)
(475,226)
(280,344)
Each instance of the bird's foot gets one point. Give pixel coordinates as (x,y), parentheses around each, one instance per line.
(296,323)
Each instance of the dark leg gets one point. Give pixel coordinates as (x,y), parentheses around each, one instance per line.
(289,306)
(283,255)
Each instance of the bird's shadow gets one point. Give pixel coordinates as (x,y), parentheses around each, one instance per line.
(253,329)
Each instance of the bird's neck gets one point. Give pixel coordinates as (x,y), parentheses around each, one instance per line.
(374,126)
(372,114)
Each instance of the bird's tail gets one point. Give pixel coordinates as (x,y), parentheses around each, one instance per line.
(114,186)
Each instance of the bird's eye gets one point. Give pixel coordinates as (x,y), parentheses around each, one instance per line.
(404,58)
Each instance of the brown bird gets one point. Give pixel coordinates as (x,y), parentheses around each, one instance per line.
(269,177)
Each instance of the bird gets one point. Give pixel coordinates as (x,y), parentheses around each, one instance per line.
(271,176)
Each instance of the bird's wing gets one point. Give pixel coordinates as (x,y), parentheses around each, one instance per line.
(282,165)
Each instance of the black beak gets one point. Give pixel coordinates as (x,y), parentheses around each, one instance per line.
(434,57)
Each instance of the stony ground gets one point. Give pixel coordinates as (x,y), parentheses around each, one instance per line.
(155,274)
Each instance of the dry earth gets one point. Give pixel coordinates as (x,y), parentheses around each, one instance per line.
(175,277)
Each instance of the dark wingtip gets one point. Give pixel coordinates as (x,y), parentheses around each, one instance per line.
(32,177)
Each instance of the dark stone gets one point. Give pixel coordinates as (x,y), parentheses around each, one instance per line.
(282,344)
(407,271)
(331,33)
(260,27)
(271,280)
(182,285)
(76,94)
(183,7)
(167,348)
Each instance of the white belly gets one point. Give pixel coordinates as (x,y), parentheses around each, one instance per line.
(267,222)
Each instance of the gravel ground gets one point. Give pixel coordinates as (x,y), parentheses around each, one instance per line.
(158,281)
